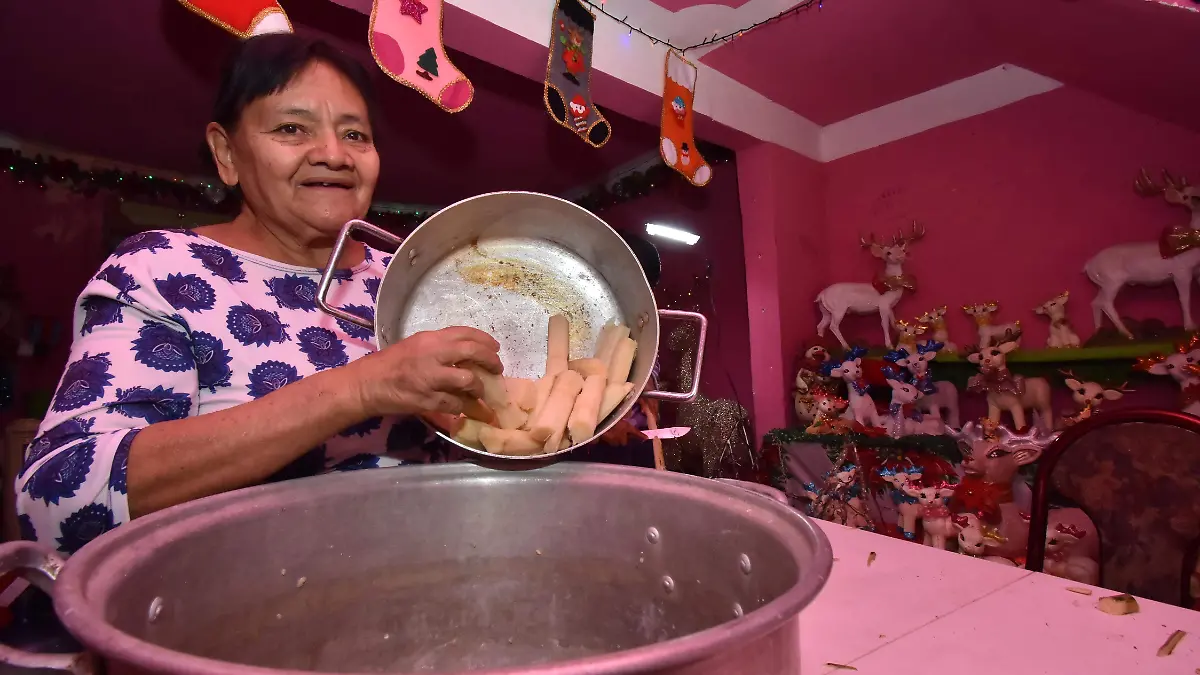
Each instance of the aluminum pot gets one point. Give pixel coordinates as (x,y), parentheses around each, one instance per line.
(568,569)
(503,263)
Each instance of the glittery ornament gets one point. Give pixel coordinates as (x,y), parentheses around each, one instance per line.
(717,438)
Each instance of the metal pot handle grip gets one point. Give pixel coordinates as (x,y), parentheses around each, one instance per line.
(41,566)
(327,276)
(703,334)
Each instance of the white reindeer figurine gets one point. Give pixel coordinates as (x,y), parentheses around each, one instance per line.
(1173,258)
(1061,542)
(904,417)
(881,296)
(861,408)
(1088,396)
(976,537)
(907,334)
(1061,333)
(935,515)
(990,333)
(1006,391)
(1184,367)
(938,396)
(935,320)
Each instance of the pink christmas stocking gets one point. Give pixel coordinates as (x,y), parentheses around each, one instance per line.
(243,18)
(406,39)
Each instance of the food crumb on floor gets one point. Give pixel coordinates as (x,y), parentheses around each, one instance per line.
(870,558)
(283,572)
(1080,590)
(840,666)
(1172,642)
(301,581)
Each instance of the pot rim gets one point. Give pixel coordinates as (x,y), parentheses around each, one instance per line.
(86,622)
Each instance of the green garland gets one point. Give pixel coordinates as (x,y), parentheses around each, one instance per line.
(943,446)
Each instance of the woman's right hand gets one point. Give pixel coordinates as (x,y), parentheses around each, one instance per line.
(419,373)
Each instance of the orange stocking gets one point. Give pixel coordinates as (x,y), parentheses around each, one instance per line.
(243,18)
(678,144)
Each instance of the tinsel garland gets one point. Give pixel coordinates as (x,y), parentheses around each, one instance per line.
(942,446)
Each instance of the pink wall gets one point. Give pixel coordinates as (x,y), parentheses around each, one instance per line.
(782,202)
(711,212)
(1040,185)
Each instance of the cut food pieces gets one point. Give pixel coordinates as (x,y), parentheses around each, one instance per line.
(581,425)
(508,441)
(553,416)
(588,367)
(558,344)
(613,395)
(511,417)
(622,360)
(1119,605)
(495,395)
(477,410)
(468,433)
(522,392)
(610,335)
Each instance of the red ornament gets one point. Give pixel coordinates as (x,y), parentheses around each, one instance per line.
(573,58)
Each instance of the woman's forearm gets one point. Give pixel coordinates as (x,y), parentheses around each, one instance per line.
(180,460)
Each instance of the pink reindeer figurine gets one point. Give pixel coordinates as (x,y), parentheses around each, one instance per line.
(1061,333)
(1062,558)
(935,319)
(990,333)
(1088,396)
(940,399)
(935,514)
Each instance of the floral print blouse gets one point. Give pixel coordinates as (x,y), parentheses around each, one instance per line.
(176,325)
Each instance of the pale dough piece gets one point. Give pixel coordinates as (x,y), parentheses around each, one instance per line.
(588,367)
(511,417)
(553,416)
(558,344)
(608,346)
(494,393)
(542,389)
(477,410)
(613,395)
(468,433)
(622,360)
(508,441)
(522,392)
(581,425)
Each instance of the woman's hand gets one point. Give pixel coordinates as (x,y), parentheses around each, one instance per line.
(418,374)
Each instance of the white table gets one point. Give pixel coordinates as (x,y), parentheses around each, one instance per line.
(919,610)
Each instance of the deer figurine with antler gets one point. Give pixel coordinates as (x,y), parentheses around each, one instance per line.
(907,334)
(1174,257)
(1184,367)
(860,408)
(992,333)
(881,296)
(827,410)
(1063,558)
(1088,396)
(935,321)
(940,399)
(934,514)
(1061,333)
(1007,391)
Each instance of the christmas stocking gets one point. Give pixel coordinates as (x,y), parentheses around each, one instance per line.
(678,145)
(406,40)
(243,18)
(568,74)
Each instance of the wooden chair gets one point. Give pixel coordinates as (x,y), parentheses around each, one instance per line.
(1136,473)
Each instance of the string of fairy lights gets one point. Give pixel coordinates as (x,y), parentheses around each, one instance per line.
(717,38)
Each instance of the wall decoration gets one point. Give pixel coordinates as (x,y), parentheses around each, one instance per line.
(243,18)
(567,89)
(992,333)
(939,399)
(1061,333)
(1173,258)
(406,41)
(881,296)
(1008,392)
(677,144)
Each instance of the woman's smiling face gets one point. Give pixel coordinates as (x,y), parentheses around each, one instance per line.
(305,156)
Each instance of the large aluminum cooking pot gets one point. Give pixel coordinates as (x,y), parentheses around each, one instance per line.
(503,263)
(568,569)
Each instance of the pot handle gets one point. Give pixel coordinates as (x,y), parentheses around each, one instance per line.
(41,566)
(684,396)
(327,276)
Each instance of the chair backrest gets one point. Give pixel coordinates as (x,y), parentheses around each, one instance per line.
(1136,473)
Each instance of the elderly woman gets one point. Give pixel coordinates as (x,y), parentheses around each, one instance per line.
(201,363)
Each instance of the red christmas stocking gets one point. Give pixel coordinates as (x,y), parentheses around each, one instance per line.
(678,144)
(243,18)
(406,40)
(568,74)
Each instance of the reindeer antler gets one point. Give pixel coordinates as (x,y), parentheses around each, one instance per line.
(1145,362)
(1145,186)
(915,232)
(868,243)
(1172,183)
(1071,530)
(1192,343)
